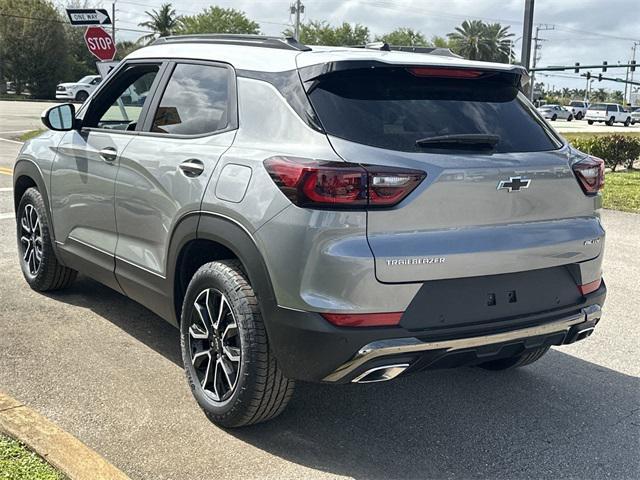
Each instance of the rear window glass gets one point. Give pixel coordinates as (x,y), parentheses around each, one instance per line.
(391,108)
(576,104)
(598,106)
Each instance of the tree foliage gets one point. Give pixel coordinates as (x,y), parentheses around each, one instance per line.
(322,33)
(218,20)
(477,40)
(31,49)
(162,22)
(404,37)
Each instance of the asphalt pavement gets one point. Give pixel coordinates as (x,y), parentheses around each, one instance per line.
(108,371)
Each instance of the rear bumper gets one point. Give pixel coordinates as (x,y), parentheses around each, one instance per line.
(310,348)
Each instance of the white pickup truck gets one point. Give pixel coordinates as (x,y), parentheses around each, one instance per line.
(608,113)
(578,108)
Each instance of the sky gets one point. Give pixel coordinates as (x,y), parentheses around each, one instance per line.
(585,31)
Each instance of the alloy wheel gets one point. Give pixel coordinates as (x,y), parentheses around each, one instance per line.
(214,344)
(31,239)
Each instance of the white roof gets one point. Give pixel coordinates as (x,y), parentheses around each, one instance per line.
(278,60)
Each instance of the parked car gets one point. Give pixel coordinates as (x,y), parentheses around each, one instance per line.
(79,90)
(608,113)
(553,112)
(635,115)
(578,108)
(300,215)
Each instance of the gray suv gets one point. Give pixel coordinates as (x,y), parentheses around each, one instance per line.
(318,214)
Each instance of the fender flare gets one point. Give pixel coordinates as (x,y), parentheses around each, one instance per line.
(28,168)
(232,235)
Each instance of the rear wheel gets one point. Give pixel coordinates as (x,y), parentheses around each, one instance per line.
(232,372)
(569,118)
(579,116)
(590,122)
(521,360)
(627,122)
(554,118)
(81,96)
(40,267)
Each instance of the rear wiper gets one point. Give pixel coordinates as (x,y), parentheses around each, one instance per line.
(460,140)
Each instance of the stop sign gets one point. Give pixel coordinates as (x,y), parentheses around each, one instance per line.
(100,43)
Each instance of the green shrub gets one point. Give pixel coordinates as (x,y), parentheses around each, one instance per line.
(614,149)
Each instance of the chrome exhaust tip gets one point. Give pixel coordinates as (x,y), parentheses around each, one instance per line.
(381,374)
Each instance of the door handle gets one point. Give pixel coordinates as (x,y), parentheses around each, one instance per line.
(192,168)
(108,154)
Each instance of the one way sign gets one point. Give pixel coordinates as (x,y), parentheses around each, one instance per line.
(88,16)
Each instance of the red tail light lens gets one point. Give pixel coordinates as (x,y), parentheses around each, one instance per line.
(340,185)
(445,72)
(363,319)
(590,287)
(590,174)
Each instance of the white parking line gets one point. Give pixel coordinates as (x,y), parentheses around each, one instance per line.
(7,216)
(14,131)
(6,189)
(11,141)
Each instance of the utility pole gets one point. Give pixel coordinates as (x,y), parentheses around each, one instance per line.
(296,9)
(633,58)
(113,21)
(525,56)
(536,47)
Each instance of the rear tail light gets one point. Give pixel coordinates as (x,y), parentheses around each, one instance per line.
(363,319)
(446,72)
(590,174)
(340,185)
(590,287)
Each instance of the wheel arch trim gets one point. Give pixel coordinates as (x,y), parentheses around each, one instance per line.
(25,167)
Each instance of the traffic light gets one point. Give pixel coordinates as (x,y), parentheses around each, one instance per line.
(588,75)
(604,66)
(633,66)
(577,69)
(599,77)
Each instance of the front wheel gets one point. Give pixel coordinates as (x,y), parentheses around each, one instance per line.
(579,116)
(38,261)
(521,360)
(569,118)
(590,122)
(81,96)
(627,122)
(230,367)
(554,118)
(610,121)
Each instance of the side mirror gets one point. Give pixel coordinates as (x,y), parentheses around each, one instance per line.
(60,117)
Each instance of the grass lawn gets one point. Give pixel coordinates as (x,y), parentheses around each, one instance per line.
(18,463)
(622,191)
(30,134)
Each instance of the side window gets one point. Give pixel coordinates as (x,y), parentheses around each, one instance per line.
(612,108)
(119,105)
(96,81)
(195,102)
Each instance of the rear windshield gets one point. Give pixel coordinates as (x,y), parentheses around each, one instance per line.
(598,106)
(576,104)
(391,108)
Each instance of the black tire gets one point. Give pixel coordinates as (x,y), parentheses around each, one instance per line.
(579,116)
(610,122)
(38,261)
(569,118)
(590,122)
(81,96)
(627,122)
(517,361)
(554,118)
(258,391)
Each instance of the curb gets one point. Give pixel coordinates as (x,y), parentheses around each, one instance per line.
(59,448)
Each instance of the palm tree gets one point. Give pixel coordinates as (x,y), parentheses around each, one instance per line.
(477,40)
(468,39)
(161,23)
(497,41)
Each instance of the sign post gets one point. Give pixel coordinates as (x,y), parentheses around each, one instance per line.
(100,43)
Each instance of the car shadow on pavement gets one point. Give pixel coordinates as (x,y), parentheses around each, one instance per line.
(561,417)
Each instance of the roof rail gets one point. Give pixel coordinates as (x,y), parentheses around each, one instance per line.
(283,43)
